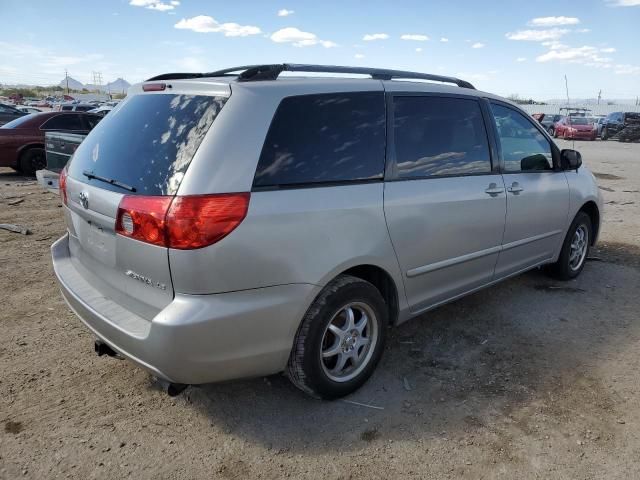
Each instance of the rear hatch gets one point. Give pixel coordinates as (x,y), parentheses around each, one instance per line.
(142,148)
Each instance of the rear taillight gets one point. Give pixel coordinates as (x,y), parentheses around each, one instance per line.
(182,222)
(62,185)
(143,218)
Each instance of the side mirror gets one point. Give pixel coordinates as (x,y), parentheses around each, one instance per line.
(570,159)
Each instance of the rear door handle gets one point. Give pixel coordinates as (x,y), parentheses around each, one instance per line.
(494,190)
(515,188)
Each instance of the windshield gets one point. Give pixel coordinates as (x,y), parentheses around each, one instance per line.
(18,121)
(147,142)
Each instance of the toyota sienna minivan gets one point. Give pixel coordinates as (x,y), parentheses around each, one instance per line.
(247,222)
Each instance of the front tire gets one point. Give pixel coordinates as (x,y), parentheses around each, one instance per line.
(551,131)
(604,134)
(32,160)
(575,249)
(340,339)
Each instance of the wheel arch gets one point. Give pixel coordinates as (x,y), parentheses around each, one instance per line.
(29,146)
(591,209)
(383,281)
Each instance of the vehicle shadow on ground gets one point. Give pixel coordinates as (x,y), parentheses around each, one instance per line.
(11,176)
(455,370)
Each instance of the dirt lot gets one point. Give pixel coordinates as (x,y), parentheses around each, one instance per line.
(529,379)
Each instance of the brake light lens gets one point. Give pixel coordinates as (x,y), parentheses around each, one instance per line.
(153,87)
(181,222)
(62,185)
(196,221)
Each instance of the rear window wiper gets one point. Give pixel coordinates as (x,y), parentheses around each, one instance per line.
(110,181)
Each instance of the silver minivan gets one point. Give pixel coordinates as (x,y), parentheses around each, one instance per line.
(253,220)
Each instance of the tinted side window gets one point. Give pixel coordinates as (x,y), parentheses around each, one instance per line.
(92,121)
(324,138)
(524,148)
(67,121)
(439,136)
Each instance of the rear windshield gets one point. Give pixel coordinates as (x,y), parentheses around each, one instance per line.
(147,142)
(17,123)
(580,121)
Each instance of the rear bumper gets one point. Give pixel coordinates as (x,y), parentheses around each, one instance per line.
(196,338)
(582,136)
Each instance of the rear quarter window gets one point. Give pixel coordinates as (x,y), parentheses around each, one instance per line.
(316,139)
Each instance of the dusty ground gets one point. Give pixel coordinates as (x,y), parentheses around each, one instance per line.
(529,379)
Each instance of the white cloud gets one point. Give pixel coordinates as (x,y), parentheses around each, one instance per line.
(477,45)
(414,36)
(608,50)
(624,3)
(553,21)
(375,36)
(299,38)
(206,24)
(285,13)
(537,35)
(444,39)
(563,53)
(582,30)
(521,59)
(358,55)
(418,49)
(155,4)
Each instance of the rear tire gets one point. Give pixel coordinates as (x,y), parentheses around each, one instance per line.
(551,131)
(575,249)
(32,160)
(335,352)
(604,135)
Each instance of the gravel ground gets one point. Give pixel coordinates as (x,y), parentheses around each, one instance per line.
(529,379)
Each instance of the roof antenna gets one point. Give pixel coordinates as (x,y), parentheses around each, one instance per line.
(566,86)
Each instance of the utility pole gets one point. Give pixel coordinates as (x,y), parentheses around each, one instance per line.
(566,85)
(66,77)
(599,96)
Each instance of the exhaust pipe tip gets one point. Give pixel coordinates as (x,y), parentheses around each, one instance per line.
(175,389)
(102,348)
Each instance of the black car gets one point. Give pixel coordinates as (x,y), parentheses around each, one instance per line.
(615,122)
(9,113)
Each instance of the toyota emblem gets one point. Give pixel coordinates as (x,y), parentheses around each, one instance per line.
(84,199)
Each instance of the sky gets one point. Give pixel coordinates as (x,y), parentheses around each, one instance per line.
(504,47)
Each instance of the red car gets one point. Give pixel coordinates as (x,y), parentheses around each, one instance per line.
(575,128)
(22,140)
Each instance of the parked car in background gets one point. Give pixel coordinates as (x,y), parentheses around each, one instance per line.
(9,113)
(548,121)
(575,128)
(202,277)
(615,122)
(26,109)
(22,140)
(74,107)
(102,110)
(600,119)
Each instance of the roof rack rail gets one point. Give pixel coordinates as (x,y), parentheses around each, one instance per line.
(252,73)
(174,76)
